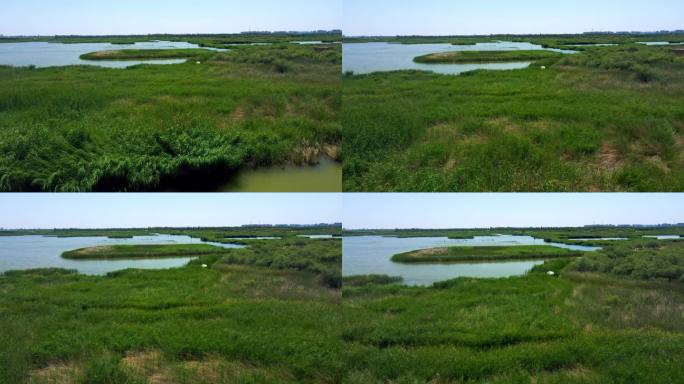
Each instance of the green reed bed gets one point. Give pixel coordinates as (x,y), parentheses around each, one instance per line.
(581,327)
(227,323)
(174,127)
(607,119)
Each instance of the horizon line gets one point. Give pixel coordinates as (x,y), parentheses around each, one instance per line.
(661,32)
(273,32)
(524,227)
(173,227)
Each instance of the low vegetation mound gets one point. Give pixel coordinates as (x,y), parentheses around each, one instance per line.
(465,254)
(362,280)
(646,260)
(146,54)
(464,57)
(322,257)
(142,251)
(643,62)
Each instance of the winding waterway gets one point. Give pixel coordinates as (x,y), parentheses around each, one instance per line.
(363,58)
(32,252)
(324,177)
(43,54)
(366,255)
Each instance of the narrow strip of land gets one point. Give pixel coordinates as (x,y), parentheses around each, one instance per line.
(466,254)
(142,251)
(466,57)
(146,54)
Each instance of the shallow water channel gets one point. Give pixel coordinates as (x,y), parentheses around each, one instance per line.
(599,238)
(362,58)
(324,177)
(371,255)
(43,54)
(31,252)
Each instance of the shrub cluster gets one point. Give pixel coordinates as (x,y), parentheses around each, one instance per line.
(647,260)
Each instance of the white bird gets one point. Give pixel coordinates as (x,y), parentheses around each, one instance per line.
(542,67)
(199,62)
(205,266)
(551,273)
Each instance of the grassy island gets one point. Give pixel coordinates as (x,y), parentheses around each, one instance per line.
(466,57)
(468,254)
(147,54)
(142,251)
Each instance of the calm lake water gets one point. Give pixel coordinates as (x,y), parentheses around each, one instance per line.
(592,45)
(659,43)
(665,237)
(371,255)
(57,54)
(600,238)
(317,236)
(325,177)
(255,238)
(364,58)
(31,252)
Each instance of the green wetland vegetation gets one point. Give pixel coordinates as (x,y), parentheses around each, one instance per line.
(485,254)
(274,313)
(604,119)
(219,234)
(549,41)
(268,313)
(137,54)
(174,127)
(210,40)
(464,57)
(612,316)
(141,251)
(553,235)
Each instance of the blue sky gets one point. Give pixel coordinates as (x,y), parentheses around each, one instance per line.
(458,17)
(94,210)
(93,17)
(482,210)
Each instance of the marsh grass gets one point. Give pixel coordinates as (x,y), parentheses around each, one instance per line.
(264,316)
(261,323)
(359,281)
(652,259)
(179,127)
(576,328)
(555,235)
(605,119)
(547,41)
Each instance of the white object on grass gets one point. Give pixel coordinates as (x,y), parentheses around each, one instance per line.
(551,273)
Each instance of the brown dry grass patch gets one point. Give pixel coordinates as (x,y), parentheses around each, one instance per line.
(58,373)
(609,157)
